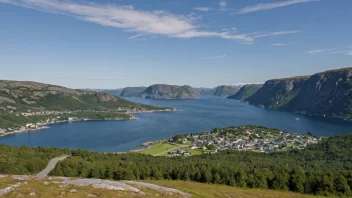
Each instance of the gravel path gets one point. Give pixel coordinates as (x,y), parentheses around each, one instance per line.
(50,167)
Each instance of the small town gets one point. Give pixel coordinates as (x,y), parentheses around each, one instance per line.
(245,138)
(39,120)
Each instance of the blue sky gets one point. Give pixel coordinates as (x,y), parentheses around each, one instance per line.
(119,43)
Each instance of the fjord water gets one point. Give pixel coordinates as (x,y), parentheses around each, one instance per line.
(192,116)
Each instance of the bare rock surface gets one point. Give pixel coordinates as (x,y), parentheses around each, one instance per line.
(9,189)
(159,188)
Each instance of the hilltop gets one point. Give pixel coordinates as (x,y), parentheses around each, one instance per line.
(23,102)
(162,91)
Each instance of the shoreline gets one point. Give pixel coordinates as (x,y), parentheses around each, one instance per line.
(46,125)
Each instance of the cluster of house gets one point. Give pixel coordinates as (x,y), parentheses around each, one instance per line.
(179,153)
(252,140)
(30,126)
(43,113)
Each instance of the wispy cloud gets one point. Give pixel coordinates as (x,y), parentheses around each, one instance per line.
(141,22)
(349,53)
(319,51)
(269,6)
(279,44)
(214,57)
(203,9)
(258,35)
(341,52)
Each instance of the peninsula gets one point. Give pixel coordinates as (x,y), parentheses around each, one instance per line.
(31,105)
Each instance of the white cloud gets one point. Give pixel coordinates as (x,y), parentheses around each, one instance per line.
(349,53)
(143,23)
(223,4)
(319,51)
(214,57)
(269,6)
(279,44)
(203,9)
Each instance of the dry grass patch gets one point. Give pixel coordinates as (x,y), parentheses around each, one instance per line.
(200,190)
(6,182)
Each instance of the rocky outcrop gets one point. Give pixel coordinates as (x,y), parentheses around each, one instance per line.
(161,91)
(246,91)
(226,90)
(132,91)
(327,93)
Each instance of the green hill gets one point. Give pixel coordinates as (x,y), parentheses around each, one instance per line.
(161,91)
(23,102)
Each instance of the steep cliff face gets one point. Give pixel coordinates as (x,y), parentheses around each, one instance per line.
(246,91)
(277,93)
(226,90)
(169,92)
(132,91)
(328,93)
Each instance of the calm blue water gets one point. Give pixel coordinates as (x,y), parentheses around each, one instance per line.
(193,116)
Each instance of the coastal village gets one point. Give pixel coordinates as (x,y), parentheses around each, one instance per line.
(44,118)
(244,138)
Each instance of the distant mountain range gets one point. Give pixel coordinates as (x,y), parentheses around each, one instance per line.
(327,93)
(205,91)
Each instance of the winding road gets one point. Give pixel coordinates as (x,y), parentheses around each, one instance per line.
(50,167)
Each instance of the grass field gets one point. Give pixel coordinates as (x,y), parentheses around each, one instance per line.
(163,148)
(6,181)
(44,189)
(199,190)
(159,149)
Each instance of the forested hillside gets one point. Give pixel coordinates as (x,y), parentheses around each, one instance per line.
(323,169)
